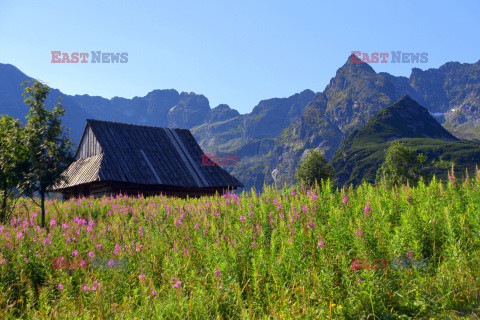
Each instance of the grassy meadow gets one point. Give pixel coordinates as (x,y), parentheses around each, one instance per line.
(279,254)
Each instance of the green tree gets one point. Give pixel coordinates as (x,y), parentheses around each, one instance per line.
(402,165)
(314,169)
(12,154)
(46,139)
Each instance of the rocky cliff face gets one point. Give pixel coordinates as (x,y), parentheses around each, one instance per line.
(454,90)
(221,113)
(251,137)
(189,111)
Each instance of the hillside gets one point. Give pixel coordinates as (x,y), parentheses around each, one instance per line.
(363,151)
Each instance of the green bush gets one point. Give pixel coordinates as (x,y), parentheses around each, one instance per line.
(314,169)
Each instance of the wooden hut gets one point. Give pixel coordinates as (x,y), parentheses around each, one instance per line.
(117,158)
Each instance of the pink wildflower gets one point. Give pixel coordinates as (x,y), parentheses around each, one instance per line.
(367,209)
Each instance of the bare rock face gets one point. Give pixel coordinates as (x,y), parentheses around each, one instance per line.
(221,113)
(190,110)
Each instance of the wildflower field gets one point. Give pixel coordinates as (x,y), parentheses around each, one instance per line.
(283,254)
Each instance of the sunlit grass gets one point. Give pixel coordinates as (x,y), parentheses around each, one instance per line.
(275,255)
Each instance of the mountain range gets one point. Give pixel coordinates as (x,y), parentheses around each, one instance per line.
(278,133)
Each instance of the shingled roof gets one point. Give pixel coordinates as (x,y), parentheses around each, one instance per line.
(117,152)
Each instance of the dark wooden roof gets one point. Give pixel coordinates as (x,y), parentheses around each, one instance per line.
(118,152)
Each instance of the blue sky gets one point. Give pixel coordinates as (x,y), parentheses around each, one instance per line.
(233,52)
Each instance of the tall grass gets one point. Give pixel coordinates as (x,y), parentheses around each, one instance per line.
(275,255)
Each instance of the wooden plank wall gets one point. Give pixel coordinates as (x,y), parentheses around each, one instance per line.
(89,146)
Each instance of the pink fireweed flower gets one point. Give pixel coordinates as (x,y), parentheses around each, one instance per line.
(37,229)
(359,233)
(312,195)
(60,287)
(345,200)
(293,192)
(64,226)
(218,273)
(242,218)
(74,253)
(3,261)
(409,254)
(91,254)
(46,241)
(111,263)
(20,234)
(53,223)
(99,246)
(367,210)
(141,276)
(96,285)
(86,289)
(176,285)
(320,243)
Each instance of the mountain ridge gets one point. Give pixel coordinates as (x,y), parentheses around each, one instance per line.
(278,132)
